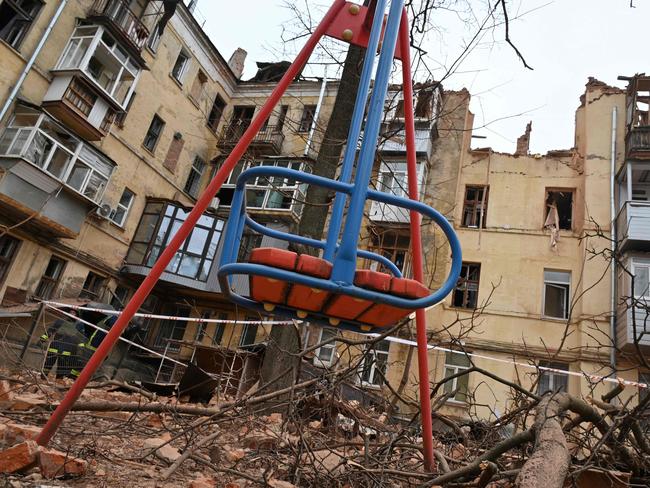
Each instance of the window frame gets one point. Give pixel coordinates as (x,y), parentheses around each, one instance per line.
(50,283)
(374,379)
(553,189)
(170,219)
(552,376)
(330,347)
(149,134)
(93,286)
(153,43)
(391,244)
(27,20)
(128,65)
(245,333)
(307,118)
(477,207)
(635,266)
(452,385)
(7,261)
(216,113)
(77,153)
(465,291)
(120,294)
(219,329)
(125,209)
(195,176)
(556,284)
(182,72)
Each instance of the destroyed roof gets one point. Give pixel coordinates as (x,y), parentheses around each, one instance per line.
(271,72)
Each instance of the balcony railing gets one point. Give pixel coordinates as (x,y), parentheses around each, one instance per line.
(638,141)
(122,18)
(633,226)
(269,138)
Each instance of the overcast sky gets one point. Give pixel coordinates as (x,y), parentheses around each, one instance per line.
(565,41)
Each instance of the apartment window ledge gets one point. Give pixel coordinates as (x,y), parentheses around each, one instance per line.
(553,319)
(457,403)
(151,152)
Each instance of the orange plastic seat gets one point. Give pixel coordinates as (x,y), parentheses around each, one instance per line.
(349,308)
(305,298)
(270,290)
(384,315)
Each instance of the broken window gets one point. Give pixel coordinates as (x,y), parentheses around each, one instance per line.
(201,327)
(307,118)
(94,51)
(552,380)
(121,211)
(375,364)
(456,362)
(466,291)
(171,331)
(153,133)
(216,112)
(249,333)
(154,39)
(16,17)
(242,116)
(180,66)
(193,182)
(556,294)
(282,117)
(326,354)
(8,247)
(475,206)
(120,117)
(119,297)
(219,329)
(93,286)
(423,106)
(559,209)
(50,279)
(394,246)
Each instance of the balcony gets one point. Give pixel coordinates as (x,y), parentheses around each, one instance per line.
(393,179)
(76,104)
(638,142)
(633,318)
(121,21)
(193,265)
(94,55)
(393,139)
(267,141)
(633,227)
(48,176)
(276,197)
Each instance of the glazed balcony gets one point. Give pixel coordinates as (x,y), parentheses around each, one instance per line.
(122,22)
(633,227)
(267,141)
(394,141)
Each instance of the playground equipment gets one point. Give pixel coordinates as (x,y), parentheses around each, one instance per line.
(328,290)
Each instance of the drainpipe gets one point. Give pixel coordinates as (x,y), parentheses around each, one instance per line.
(312,129)
(612,319)
(32,60)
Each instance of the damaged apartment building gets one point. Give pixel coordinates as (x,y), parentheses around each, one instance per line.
(115,116)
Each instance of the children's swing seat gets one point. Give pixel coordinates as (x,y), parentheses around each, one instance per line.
(331,290)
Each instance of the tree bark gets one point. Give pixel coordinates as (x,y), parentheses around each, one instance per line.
(547,467)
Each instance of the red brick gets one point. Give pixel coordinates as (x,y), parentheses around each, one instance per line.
(6,391)
(55,463)
(203,482)
(16,433)
(20,456)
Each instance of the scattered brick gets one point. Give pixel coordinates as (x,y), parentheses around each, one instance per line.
(6,392)
(18,457)
(55,463)
(16,433)
(203,482)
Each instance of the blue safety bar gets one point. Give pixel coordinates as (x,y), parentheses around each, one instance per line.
(340,250)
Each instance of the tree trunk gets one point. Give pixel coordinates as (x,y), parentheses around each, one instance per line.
(281,363)
(547,467)
(315,212)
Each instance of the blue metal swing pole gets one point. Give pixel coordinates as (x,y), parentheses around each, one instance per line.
(345,260)
(355,129)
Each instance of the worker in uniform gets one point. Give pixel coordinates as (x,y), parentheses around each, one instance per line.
(63,341)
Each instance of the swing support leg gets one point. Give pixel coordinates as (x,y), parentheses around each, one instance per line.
(416,246)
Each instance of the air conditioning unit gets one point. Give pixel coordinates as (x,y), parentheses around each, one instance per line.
(104,210)
(214,203)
